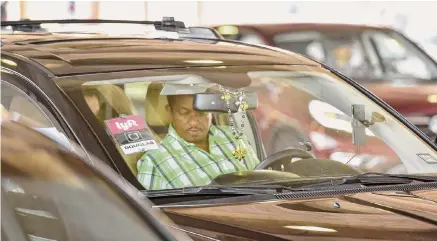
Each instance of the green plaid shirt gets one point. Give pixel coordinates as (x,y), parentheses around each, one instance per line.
(178,163)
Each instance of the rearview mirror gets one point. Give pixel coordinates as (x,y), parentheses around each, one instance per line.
(358,128)
(212,102)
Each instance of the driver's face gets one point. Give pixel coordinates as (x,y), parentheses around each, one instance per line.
(191,125)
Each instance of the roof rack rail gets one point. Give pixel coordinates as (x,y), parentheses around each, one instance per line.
(167,23)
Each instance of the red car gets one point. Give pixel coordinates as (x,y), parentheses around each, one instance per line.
(383,60)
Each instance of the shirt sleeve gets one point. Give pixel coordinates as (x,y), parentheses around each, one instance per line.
(149,175)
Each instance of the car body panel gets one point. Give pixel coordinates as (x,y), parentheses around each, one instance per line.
(383,218)
(68,56)
(362,216)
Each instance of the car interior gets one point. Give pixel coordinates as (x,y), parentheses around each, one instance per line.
(147,100)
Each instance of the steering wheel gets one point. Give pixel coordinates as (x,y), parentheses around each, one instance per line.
(283,158)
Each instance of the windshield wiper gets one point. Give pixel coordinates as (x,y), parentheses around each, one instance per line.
(219,190)
(365,179)
(370,178)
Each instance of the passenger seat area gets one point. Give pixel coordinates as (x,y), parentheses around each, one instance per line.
(117,103)
(155,112)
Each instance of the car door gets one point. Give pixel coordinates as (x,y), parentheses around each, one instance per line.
(342,50)
(399,58)
(61,198)
(409,80)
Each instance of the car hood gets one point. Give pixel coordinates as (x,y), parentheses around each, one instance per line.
(363,216)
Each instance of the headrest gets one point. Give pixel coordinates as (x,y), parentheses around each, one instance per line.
(114,96)
(155,103)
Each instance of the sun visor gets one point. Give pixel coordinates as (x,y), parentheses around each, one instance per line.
(191,85)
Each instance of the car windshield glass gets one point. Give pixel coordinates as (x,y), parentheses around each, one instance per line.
(190,127)
(374,54)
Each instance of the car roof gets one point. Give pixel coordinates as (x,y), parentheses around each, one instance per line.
(67,54)
(273,29)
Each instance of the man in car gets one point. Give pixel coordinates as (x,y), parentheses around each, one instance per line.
(193,152)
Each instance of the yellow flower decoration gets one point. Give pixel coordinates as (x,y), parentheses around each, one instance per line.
(226,96)
(244,105)
(239,153)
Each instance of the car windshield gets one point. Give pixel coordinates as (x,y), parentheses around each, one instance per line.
(179,128)
(362,54)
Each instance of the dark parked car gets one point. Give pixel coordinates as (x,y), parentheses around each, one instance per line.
(382,59)
(49,192)
(332,161)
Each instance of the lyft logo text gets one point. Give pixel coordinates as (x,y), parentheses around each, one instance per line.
(126,125)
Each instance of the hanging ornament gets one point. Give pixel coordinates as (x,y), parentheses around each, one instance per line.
(240,152)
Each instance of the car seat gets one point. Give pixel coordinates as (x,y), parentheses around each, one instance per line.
(156,114)
(120,104)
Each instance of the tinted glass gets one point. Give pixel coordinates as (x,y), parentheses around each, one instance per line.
(55,196)
(400,59)
(346,52)
(157,123)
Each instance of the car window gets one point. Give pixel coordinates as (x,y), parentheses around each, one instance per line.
(251,38)
(401,59)
(18,102)
(240,34)
(24,108)
(55,196)
(343,51)
(179,129)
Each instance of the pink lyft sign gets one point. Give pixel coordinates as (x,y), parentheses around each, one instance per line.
(125,124)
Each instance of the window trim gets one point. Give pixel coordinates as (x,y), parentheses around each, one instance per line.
(372,55)
(409,46)
(52,109)
(38,105)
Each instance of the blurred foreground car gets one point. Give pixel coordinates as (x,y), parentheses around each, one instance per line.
(431,48)
(317,134)
(385,61)
(50,193)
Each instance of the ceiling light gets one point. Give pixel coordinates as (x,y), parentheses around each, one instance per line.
(311,228)
(227,30)
(432,98)
(204,61)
